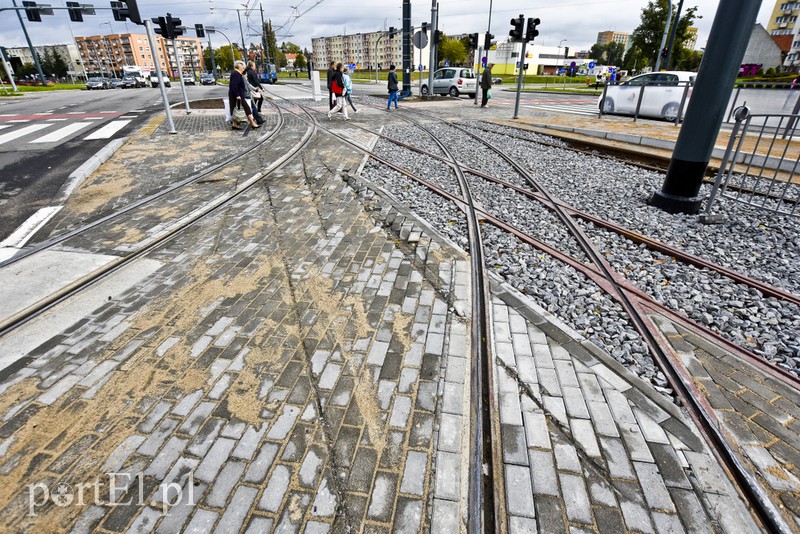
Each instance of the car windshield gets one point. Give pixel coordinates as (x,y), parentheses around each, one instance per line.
(95,79)
(467,74)
(128,79)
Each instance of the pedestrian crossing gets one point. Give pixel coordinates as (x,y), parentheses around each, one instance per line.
(44,128)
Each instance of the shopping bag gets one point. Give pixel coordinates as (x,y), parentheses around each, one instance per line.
(238,114)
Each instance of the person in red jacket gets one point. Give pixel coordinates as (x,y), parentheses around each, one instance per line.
(338,89)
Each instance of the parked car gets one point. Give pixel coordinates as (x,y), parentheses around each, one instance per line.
(453,81)
(116,83)
(207,79)
(662,94)
(126,82)
(97,83)
(188,79)
(497,81)
(164,80)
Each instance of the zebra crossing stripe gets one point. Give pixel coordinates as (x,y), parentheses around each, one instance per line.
(107,131)
(61,133)
(10,136)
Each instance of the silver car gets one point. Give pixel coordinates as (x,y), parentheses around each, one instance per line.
(452,81)
(661,95)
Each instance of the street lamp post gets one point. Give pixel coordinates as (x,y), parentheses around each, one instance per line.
(558,61)
(108,51)
(211,29)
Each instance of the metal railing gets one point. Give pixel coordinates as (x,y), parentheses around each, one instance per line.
(766,175)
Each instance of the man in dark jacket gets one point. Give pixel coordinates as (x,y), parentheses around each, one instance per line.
(252,79)
(392,85)
(486,84)
(331,74)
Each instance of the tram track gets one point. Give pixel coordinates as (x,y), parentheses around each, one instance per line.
(638,306)
(205,204)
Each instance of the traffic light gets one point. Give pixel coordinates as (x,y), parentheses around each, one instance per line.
(126,10)
(162,26)
(437,37)
(200,31)
(531,32)
(174,27)
(392,31)
(75,14)
(32,14)
(664,52)
(487,42)
(516,28)
(424,28)
(473,41)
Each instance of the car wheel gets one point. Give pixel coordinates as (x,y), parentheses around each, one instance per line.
(424,90)
(453,92)
(607,105)
(670,111)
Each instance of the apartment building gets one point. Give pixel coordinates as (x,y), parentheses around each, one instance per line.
(366,50)
(610,36)
(68,52)
(783,18)
(104,54)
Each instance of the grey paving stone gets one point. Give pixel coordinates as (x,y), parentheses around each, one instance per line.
(667,523)
(117,458)
(536,431)
(576,498)
(636,516)
(276,488)
(452,400)
(329,376)
(690,510)
(248,444)
(554,406)
(236,512)
(208,433)
(324,504)
(196,419)
(656,493)
(202,522)
(315,527)
(56,391)
(583,432)
(223,486)
(283,425)
(408,516)
(153,443)
(616,457)
(292,514)
(145,521)
(550,515)
(400,411)
(450,433)
(519,491)
(573,400)
(177,514)
(515,450)
(448,476)
(414,473)
(259,525)
(543,473)
(363,471)
(446,517)
(164,460)
(382,499)
(214,459)
(311,467)
(186,403)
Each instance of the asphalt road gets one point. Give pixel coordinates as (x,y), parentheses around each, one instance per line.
(39,152)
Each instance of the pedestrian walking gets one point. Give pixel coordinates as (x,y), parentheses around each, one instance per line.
(348,85)
(237,96)
(392,85)
(486,84)
(255,84)
(338,90)
(331,73)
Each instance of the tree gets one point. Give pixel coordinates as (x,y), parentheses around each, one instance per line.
(690,60)
(452,50)
(608,54)
(300,61)
(222,57)
(272,44)
(647,36)
(634,60)
(290,48)
(60,67)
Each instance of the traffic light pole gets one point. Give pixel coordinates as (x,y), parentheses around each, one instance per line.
(148,26)
(664,36)
(30,45)
(519,78)
(432,62)
(180,74)
(478,88)
(211,53)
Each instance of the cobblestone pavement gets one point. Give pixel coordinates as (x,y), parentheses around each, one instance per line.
(299,362)
(279,370)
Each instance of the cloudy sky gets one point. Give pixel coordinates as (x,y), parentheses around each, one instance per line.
(575,21)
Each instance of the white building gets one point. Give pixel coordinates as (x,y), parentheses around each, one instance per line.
(68,52)
(540,60)
(366,51)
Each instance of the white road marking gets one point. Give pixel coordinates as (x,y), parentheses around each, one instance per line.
(75,112)
(137,111)
(61,133)
(32,225)
(128,117)
(4,126)
(10,136)
(55,120)
(107,131)
(20,120)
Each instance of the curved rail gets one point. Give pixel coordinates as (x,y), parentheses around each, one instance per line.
(195,217)
(146,200)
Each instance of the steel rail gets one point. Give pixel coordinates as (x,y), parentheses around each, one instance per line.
(700,411)
(189,221)
(143,201)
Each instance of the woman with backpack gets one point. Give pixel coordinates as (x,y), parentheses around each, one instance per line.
(338,89)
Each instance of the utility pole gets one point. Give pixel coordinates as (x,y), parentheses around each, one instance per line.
(211,53)
(241,32)
(726,46)
(672,34)
(30,45)
(664,36)
(148,26)
(432,61)
(264,38)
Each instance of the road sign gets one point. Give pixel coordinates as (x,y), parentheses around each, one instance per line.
(591,64)
(446,63)
(420,67)
(420,40)
(572,64)
(483,62)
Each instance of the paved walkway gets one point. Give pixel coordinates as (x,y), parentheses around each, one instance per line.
(300,362)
